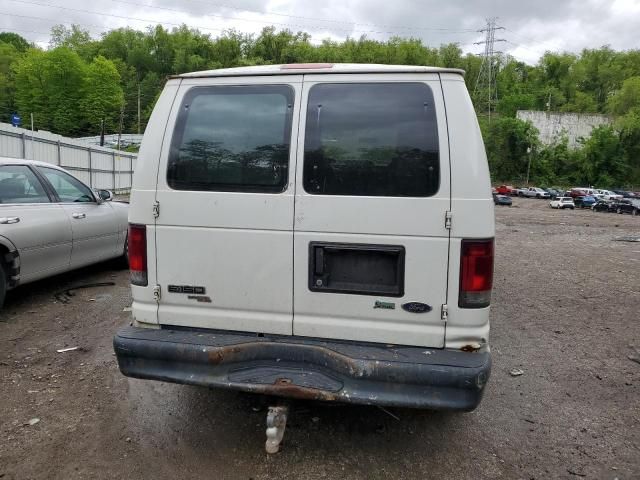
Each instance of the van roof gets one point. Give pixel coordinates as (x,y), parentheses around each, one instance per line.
(300,68)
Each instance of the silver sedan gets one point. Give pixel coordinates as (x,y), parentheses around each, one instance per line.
(51,222)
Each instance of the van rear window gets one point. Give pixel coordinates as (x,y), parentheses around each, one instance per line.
(232,138)
(373,139)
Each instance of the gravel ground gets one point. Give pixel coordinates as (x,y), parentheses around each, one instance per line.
(566,311)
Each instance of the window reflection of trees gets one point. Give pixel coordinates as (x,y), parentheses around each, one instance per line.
(375,171)
(207,163)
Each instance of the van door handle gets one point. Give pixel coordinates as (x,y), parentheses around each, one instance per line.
(78,215)
(5,220)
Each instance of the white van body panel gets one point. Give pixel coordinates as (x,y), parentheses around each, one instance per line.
(417,223)
(144,308)
(237,245)
(471,206)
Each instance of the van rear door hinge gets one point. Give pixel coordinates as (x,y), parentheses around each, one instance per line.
(444,312)
(447,220)
(156,209)
(156,293)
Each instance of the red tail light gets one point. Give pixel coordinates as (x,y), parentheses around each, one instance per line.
(476,273)
(138,254)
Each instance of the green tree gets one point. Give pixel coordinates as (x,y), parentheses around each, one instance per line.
(450,56)
(628,127)
(581,103)
(604,157)
(627,99)
(228,49)
(9,54)
(509,142)
(558,163)
(74,38)
(157,42)
(20,44)
(51,85)
(510,104)
(102,97)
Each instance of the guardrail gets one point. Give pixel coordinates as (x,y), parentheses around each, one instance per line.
(99,167)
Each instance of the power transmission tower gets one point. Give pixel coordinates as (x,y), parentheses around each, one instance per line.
(485,91)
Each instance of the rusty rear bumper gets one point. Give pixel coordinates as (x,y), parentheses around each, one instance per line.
(307,368)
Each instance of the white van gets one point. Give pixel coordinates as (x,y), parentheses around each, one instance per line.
(316,231)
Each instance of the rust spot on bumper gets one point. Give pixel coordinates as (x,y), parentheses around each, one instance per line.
(215,357)
(283,388)
(221,355)
(474,347)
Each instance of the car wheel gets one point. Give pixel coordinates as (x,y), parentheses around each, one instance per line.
(3,285)
(618,211)
(634,212)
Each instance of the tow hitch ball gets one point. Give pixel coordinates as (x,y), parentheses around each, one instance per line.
(276,423)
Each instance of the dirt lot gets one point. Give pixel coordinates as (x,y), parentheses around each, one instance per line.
(566,311)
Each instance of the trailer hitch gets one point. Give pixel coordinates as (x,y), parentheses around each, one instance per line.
(276,424)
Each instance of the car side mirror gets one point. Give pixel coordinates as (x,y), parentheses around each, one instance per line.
(105,195)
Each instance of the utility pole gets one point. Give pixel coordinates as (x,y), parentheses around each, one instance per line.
(529,150)
(119,136)
(102,132)
(485,89)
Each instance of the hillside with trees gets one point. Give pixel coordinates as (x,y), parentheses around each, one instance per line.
(79,82)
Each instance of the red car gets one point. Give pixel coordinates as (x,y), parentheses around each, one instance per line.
(505,189)
(576,192)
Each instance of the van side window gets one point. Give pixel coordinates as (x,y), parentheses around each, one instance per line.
(373,139)
(232,138)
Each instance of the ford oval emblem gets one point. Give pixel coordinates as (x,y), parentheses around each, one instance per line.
(416,307)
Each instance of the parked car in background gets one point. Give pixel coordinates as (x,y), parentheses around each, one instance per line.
(502,199)
(585,201)
(631,207)
(602,206)
(534,192)
(625,193)
(562,203)
(608,195)
(505,189)
(554,193)
(51,222)
(576,192)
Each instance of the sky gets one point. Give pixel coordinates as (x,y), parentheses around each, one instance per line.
(529,28)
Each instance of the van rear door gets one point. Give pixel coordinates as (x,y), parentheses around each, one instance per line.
(224,236)
(372,195)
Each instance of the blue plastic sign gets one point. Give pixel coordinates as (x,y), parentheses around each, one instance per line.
(16,120)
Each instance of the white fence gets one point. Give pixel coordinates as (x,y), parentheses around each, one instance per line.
(112,139)
(98,167)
